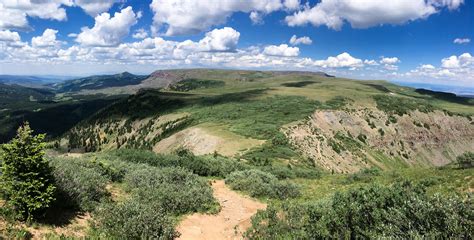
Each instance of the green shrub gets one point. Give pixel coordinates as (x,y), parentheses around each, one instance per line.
(261,184)
(175,190)
(401,105)
(80,183)
(400,211)
(465,160)
(201,165)
(26,182)
(133,219)
(364,175)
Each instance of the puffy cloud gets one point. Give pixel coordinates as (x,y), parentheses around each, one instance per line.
(95,7)
(463,60)
(333,13)
(371,62)
(282,50)
(14,13)
(224,39)
(300,40)
(140,34)
(108,31)
(256,18)
(462,40)
(292,4)
(454,70)
(11,39)
(8,36)
(180,17)
(389,60)
(341,60)
(427,66)
(48,39)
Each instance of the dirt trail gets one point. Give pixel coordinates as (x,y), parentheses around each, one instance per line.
(229,223)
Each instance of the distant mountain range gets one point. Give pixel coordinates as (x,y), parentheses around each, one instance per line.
(458,90)
(99,82)
(32,81)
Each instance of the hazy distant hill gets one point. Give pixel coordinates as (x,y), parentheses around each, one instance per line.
(99,82)
(31,81)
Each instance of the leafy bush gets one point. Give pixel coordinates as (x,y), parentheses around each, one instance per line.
(400,211)
(261,184)
(201,165)
(133,219)
(82,184)
(465,160)
(401,105)
(208,165)
(175,190)
(364,175)
(26,181)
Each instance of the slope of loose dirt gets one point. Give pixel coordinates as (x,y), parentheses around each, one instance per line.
(206,140)
(229,223)
(346,141)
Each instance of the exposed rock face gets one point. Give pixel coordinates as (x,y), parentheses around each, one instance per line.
(346,141)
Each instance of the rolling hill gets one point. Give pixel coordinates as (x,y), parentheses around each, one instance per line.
(336,124)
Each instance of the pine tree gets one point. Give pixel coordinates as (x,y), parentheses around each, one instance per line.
(26,180)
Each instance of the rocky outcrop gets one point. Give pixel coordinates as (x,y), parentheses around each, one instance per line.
(346,141)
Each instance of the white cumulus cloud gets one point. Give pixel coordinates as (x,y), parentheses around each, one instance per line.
(300,40)
(281,50)
(180,17)
(224,39)
(341,60)
(108,31)
(462,40)
(389,60)
(48,39)
(95,7)
(365,14)
(140,34)
(460,61)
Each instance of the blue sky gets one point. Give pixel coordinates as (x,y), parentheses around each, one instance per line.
(426,41)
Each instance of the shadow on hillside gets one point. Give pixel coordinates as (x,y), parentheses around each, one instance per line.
(148,103)
(54,120)
(299,84)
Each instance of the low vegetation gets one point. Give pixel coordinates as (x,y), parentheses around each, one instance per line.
(402,210)
(261,184)
(401,105)
(192,84)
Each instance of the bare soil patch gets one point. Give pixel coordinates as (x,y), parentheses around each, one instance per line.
(230,223)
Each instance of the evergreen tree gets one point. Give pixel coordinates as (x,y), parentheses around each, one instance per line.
(26,180)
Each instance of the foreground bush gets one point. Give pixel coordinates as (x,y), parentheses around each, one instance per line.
(261,184)
(201,165)
(26,182)
(400,211)
(79,182)
(174,189)
(133,219)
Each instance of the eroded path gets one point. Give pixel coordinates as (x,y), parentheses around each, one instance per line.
(229,223)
